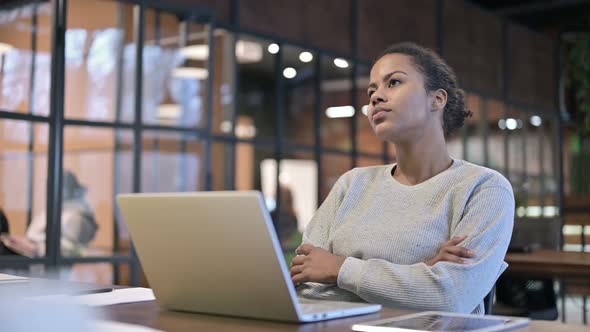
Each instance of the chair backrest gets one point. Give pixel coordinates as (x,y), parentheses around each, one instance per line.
(488,301)
(540,232)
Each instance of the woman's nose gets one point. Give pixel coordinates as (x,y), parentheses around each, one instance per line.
(376,98)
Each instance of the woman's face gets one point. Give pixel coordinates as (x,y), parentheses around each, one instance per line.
(399,106)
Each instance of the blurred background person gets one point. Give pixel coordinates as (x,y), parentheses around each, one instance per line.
(285,220)
(78,224)
(4,230)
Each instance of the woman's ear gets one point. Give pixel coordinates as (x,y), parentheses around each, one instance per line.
(439,100)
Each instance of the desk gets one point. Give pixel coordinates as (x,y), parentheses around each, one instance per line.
(149,314)
(550,263)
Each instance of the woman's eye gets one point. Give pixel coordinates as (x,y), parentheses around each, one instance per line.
(394,82)
(369,93)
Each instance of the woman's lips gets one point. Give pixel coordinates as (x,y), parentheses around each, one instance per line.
(379,114)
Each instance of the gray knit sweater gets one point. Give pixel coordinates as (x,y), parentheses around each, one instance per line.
(388,230)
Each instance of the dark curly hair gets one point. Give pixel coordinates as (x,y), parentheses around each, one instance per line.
(437,75)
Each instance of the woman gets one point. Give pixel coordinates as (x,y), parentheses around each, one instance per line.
(377,237)
(78,225)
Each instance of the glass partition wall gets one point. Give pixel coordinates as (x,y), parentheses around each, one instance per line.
(144,99)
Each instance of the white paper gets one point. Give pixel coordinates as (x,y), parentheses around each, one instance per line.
(116,296)
(107,326)
(8,278)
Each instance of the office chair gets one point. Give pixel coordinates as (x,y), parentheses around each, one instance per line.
(525,295)
(488,301)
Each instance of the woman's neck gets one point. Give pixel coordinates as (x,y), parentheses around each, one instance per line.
(420,161)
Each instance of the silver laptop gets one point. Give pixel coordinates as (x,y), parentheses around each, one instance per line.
(218,253)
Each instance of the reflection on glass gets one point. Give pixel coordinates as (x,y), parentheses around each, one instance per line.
(176,63)
(90,158)
(496,130)
(20,91)
(17,163)
(249,172)
(172,162)
(298,196)
(95,45)
(224,103)
(337,109)
(300,97)
(221,166)
(516,173)
(257,95)
(550,160)
(533,161)
(474,130)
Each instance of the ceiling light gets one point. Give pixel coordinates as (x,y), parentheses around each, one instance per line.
(273,48)
(534,211)
(169,111)
(536,120)
(245,131)
(190,72)
(340,112)
(305,57)
(340,63)
(289,72)
(226,127)
(195,52)
(248,52)
(511,124)
(551,211)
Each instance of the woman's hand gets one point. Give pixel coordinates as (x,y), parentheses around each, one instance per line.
(316,265)
(19,244)
(451,252)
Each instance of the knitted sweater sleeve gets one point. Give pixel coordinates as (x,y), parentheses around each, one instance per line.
(318,230)
(487,220)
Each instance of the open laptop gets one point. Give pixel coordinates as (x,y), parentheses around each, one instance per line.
(218,253)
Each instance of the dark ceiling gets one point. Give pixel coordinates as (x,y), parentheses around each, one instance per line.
(543,15)
(551,16)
